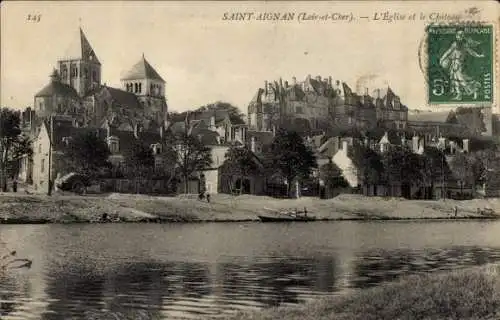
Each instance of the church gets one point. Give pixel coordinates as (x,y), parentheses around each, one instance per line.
(76,100)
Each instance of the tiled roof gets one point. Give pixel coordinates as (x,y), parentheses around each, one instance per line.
(427,116)
(80,49)
(264,137)
(62,129)
(57,88)
(142,70)
(124,98)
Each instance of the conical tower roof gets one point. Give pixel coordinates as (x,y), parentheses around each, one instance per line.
(80,49)
(142,70)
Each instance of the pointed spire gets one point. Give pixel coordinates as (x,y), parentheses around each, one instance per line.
(142,70)
(80,49)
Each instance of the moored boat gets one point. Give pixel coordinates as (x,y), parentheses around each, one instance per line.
(286,216)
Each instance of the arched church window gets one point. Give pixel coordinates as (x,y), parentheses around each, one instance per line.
(136,85)
(140,89)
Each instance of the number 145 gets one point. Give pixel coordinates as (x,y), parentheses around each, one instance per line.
(34,17)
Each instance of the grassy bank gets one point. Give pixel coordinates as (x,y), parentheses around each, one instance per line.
(23,208)
(466,294)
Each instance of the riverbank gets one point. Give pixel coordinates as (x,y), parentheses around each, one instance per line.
(60,208)
(464,294)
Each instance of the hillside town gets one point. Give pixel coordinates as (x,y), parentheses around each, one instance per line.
(312,137)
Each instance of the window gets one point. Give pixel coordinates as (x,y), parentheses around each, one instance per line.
(41,106)
(64,72)
(40,148)
(42,166)
(94,75)
(158,164)
(86,73)
(140,89)
(59,107)
(113,146)
(136,87)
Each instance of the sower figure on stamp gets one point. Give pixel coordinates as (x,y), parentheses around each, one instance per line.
(453,61)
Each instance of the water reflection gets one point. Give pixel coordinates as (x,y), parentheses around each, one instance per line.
(197,271)
(14,289)
(376,266)
(76,291)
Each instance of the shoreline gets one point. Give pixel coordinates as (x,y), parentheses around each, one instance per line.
(129,208)
(468,293)
(165,221)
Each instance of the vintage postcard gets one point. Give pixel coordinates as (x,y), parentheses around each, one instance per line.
(219,159)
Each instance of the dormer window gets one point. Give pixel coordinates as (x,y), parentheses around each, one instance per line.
(113,144)
(156,148)
(66,140)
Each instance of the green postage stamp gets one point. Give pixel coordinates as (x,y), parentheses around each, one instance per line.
(460,64)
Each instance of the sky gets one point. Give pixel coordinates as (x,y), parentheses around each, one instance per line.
(205,59)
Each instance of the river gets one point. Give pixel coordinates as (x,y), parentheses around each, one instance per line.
(182,271)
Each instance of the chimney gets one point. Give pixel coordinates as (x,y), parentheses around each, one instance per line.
(378,93)
(466,145)
(366,91)
(212,122)
(265,87)
(162,131)
(281,83)
(252,144)
(344,146)
(318,78)
(415,145)
(136,131)
(108,129)
(330,81)
(294,81)
(308,77)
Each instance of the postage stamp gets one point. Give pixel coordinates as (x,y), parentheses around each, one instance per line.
(460,64)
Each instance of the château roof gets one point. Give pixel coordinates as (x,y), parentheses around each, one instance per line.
(80,48)
(142,70)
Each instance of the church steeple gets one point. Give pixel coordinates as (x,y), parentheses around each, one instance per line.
(143,80)
(80,67)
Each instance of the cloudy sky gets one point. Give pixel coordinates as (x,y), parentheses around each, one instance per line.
(205,59)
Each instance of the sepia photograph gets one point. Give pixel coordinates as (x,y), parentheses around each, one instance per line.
(249,160)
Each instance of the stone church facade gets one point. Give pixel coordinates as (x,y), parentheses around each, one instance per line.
(76,98)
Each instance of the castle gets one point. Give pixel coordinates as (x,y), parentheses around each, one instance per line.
(318,103)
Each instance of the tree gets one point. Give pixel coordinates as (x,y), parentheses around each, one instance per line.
(240,162)
(403,166)
(233,111)
(22,147)
(139,160)
(332,176)
(461,166)
(13,145)
(188,153)
(369,165)
(87,154)
(291,157)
